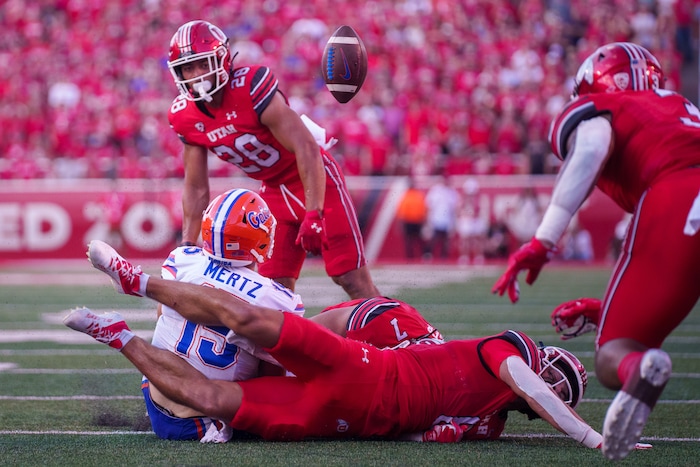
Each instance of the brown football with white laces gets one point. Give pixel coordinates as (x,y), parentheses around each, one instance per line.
(344,64)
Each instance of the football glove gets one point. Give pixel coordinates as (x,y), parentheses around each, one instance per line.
(576,317)
(217,433)
(531,256)
(312,233)
(444,432)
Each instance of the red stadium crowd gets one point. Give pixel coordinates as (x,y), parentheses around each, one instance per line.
(456,87)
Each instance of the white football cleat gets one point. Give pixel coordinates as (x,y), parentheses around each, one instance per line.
(108,328)
(629,411)
(126,278)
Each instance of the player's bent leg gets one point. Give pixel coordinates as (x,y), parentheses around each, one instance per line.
(126,278)
(177,379)
(629,411)
(608,358)
(108,328)
(167,425)
(182,383)
(357,283)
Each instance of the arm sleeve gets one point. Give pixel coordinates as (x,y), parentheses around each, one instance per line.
(577,177)
(545,402)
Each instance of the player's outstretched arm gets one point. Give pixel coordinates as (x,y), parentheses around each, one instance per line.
(206,305)
(590,147)
(526,384)
(290,130)
(195,191)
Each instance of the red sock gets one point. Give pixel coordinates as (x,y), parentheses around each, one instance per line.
(628,365)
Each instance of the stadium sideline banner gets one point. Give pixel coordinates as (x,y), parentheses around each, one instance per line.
(55,219)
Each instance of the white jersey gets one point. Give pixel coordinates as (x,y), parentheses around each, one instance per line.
(206,347)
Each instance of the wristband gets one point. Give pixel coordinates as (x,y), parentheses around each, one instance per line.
(188,244)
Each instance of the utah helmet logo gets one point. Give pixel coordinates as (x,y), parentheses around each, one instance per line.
(622,80)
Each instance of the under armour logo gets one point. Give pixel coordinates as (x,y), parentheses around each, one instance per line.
(199,126)
(365,359)
(343,426)
(230,115)
(317,227)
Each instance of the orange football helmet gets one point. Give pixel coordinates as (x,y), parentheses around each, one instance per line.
(238,228)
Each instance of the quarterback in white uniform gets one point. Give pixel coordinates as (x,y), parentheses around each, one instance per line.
(237,232)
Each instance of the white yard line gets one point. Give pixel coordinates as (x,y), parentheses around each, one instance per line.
(506,436)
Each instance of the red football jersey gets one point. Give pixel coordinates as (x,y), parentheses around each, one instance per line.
(233,131)
(655,133)
(385,323)
(345,388)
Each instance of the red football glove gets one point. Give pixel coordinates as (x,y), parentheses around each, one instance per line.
(444,432)
(531,256)
(312,233)
(576,317)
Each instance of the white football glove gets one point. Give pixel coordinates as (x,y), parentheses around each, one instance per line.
(214,435)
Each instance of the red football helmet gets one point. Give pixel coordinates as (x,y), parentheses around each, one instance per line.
(238,228)
(564,373)
(200,40)
(619,66)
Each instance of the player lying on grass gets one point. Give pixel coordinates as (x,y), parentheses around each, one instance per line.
(342,388)
(240,217)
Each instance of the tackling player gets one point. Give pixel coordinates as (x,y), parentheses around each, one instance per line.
(238,232)
(342,388)
(640,145)
(240,115)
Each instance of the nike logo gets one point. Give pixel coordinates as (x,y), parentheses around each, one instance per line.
(347,66)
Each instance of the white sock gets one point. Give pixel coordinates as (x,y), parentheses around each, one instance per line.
(143,281)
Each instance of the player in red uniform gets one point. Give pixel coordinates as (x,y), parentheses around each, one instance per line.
(240,115)
(640,145)
(342,388)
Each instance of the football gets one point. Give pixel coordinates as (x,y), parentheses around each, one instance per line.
(344,64)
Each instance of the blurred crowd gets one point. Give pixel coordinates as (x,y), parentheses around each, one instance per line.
(454,86)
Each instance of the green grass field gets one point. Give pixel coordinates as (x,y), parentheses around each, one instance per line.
(65,400)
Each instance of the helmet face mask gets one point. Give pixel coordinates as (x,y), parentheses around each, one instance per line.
(617,67)
(564,373)
(195,41)
(238,228)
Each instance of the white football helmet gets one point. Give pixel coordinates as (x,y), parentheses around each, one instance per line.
(564,373)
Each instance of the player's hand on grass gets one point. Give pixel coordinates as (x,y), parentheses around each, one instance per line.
(576,317)
(532,256)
